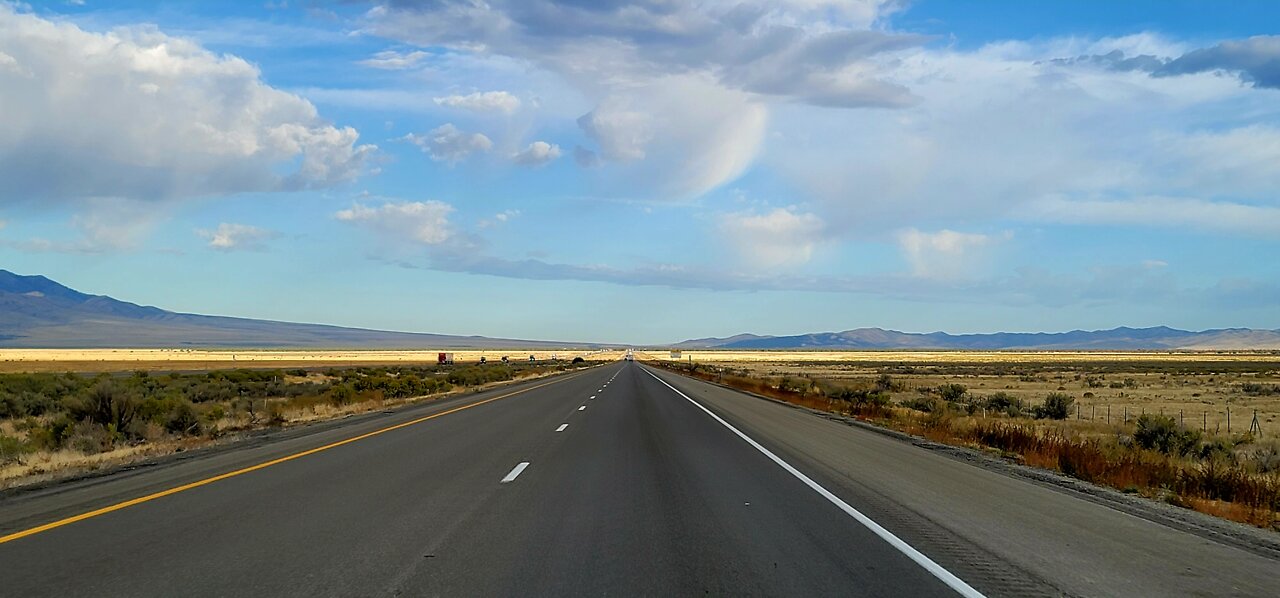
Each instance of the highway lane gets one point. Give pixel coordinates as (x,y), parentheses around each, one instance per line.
(1005,535)
(610,482)
(640,494)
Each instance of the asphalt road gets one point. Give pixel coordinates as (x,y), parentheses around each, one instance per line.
(620,480)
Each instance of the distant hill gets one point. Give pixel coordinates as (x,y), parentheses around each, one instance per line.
(36,312)
(1156,338)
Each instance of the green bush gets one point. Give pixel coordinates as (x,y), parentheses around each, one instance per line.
(342,395)
(886,383)
(183,419)
(1003,402)
(859,398)
(12,449)
(952,393)
(106,404)
(1162,433)
(925,404)
(1055,406)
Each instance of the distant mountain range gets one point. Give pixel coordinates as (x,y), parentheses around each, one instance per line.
(36,312)
(1156,338)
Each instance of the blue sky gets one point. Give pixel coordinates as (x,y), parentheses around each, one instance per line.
(649,172)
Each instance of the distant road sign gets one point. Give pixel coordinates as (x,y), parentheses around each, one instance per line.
(676,354)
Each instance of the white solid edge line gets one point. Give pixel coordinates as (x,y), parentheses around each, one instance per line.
(562,427)
(935,569)
(515,472)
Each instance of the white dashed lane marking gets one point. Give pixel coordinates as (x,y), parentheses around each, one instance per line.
(519,469)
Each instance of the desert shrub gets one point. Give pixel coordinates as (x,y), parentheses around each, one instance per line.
(863,400)
(1266,458)
(342,394)
(578,360)
(1161,433)
(106,404)
(886,383)
(51,435)
(215,413)
(89,437)
(183,419)
(1006,437)
(925,404)
(1003,402)
(1055,406)
(952,392)
(799,386)
(1254,388)
(12,449)
(476,375)
(1223,450)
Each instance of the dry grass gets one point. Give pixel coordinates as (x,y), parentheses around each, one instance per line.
(46,465)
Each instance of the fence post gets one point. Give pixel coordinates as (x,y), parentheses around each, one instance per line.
(1204,425)
(1228,419)
(1077,412)
(1093,413)
(1181,423)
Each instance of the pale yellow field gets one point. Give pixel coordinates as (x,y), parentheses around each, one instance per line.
(712,356)
(93,360)
(1202,389)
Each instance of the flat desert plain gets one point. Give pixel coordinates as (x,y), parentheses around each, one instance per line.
(1216,391)
(108,360)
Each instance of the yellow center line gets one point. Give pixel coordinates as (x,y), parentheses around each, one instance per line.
(231,474)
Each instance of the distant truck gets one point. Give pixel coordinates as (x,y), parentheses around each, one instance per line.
(445,359)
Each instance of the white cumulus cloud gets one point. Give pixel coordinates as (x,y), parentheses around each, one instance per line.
(391,60)
(777,238)
(138,114)
(231,237)
(425,222)
(499,218)
(942,254)
(482,101)
(446,143)
(678,137)
(537,154)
